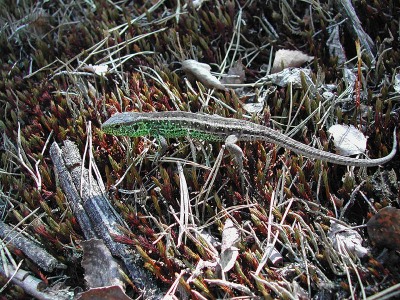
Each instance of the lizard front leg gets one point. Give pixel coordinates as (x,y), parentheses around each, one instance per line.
(163,146)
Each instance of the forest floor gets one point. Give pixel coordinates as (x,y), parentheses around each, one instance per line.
(87,214)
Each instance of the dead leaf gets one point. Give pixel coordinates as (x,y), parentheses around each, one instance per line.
(100,70)
(384,228)
(236,74)
(254,108)
(342,236)
(209,238)
(289,59)
(197,3)
(100,267)
(202,73)
(348,140)
(291,76)
(229,251)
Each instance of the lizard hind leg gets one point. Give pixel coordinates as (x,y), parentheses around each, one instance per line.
(238,156)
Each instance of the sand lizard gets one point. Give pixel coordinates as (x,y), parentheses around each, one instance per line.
(173,124)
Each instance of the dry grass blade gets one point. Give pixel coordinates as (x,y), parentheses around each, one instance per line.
(232,285)
(388,293)
(271,245)
(185,206)
(68,67)
(282,292)
(205,191)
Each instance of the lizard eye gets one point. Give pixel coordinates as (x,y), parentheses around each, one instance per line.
(135,127)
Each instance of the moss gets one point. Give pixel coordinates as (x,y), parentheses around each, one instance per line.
(46,87)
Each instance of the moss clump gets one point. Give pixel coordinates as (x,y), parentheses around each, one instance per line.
(50,92)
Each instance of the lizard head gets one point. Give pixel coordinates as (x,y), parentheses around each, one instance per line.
(126,124)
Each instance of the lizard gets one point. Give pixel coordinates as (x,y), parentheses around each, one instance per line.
(215,128)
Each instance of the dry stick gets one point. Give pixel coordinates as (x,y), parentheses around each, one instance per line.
(31,249)
(354,26)
(71,193)
(11,270)
(7,268)
(30,284)
(99,218)
(32,213)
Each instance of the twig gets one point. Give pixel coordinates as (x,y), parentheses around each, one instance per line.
(99,217)
(354,25)
(30,284)
(31,249)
